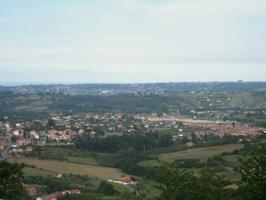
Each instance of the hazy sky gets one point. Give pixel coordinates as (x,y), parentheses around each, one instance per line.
(132,40)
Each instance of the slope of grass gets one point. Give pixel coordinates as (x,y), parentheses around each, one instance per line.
(200,153)
(71,168)
(80,160)
(149,163)
(37,172)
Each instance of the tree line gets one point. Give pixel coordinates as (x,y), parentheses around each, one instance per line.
(174,184)
(111,144)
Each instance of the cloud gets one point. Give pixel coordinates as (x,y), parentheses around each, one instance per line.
(129,36)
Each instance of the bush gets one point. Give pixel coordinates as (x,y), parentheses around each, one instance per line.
(188,163)
(107,189)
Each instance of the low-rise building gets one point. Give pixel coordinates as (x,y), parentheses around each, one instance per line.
(56,195)
(23,141)
(2,144)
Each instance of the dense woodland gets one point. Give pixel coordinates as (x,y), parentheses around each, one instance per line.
(139,142)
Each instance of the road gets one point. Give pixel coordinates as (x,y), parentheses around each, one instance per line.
(4,153)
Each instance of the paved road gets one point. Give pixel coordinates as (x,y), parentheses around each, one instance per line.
(4,153)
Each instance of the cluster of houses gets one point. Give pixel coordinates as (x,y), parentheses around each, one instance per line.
(227,129)
(56,195)
(32,191)
(2,136)
(2,143)
(24,137)
(201,127)
(4,140)
(24,141)
(125,180)
(118,124)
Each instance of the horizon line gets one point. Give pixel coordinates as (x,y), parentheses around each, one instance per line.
(14,84)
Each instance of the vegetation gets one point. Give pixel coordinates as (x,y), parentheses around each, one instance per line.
(11,186)
(178,184)
(139,142)
(253,172)
(182,185)
(71,168)
(227,105)
(107,189)
(201,175)
(208,170)
(200,153)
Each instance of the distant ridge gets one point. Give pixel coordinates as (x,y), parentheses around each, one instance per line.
(133,88)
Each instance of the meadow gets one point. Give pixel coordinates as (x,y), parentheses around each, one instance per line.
(200,153)
(54,166)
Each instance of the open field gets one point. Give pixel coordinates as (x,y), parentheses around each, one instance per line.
(149,163)
(37,172)
(73,168)
(200,153)
(80,160)
(232,159)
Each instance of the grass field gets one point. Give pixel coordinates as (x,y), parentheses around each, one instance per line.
(200,153)
(71,168)
(37,172)
(80,160)
(232,159)
(149,163)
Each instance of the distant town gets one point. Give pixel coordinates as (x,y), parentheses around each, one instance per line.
(24,134)
(110,141)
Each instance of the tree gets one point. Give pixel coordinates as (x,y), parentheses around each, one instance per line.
(253,172)
(131,196)
(176,184)
(107,189)
(11,186)
(183,185)
(194,138)
(212,186)
(166,140)
(51,123)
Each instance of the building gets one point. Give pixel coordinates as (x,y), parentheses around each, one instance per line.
(23,141)
(2,144)
(126,179)
(32,191)
(34,135)
(56,195)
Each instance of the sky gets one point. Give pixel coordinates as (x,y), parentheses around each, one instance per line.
(129,41)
